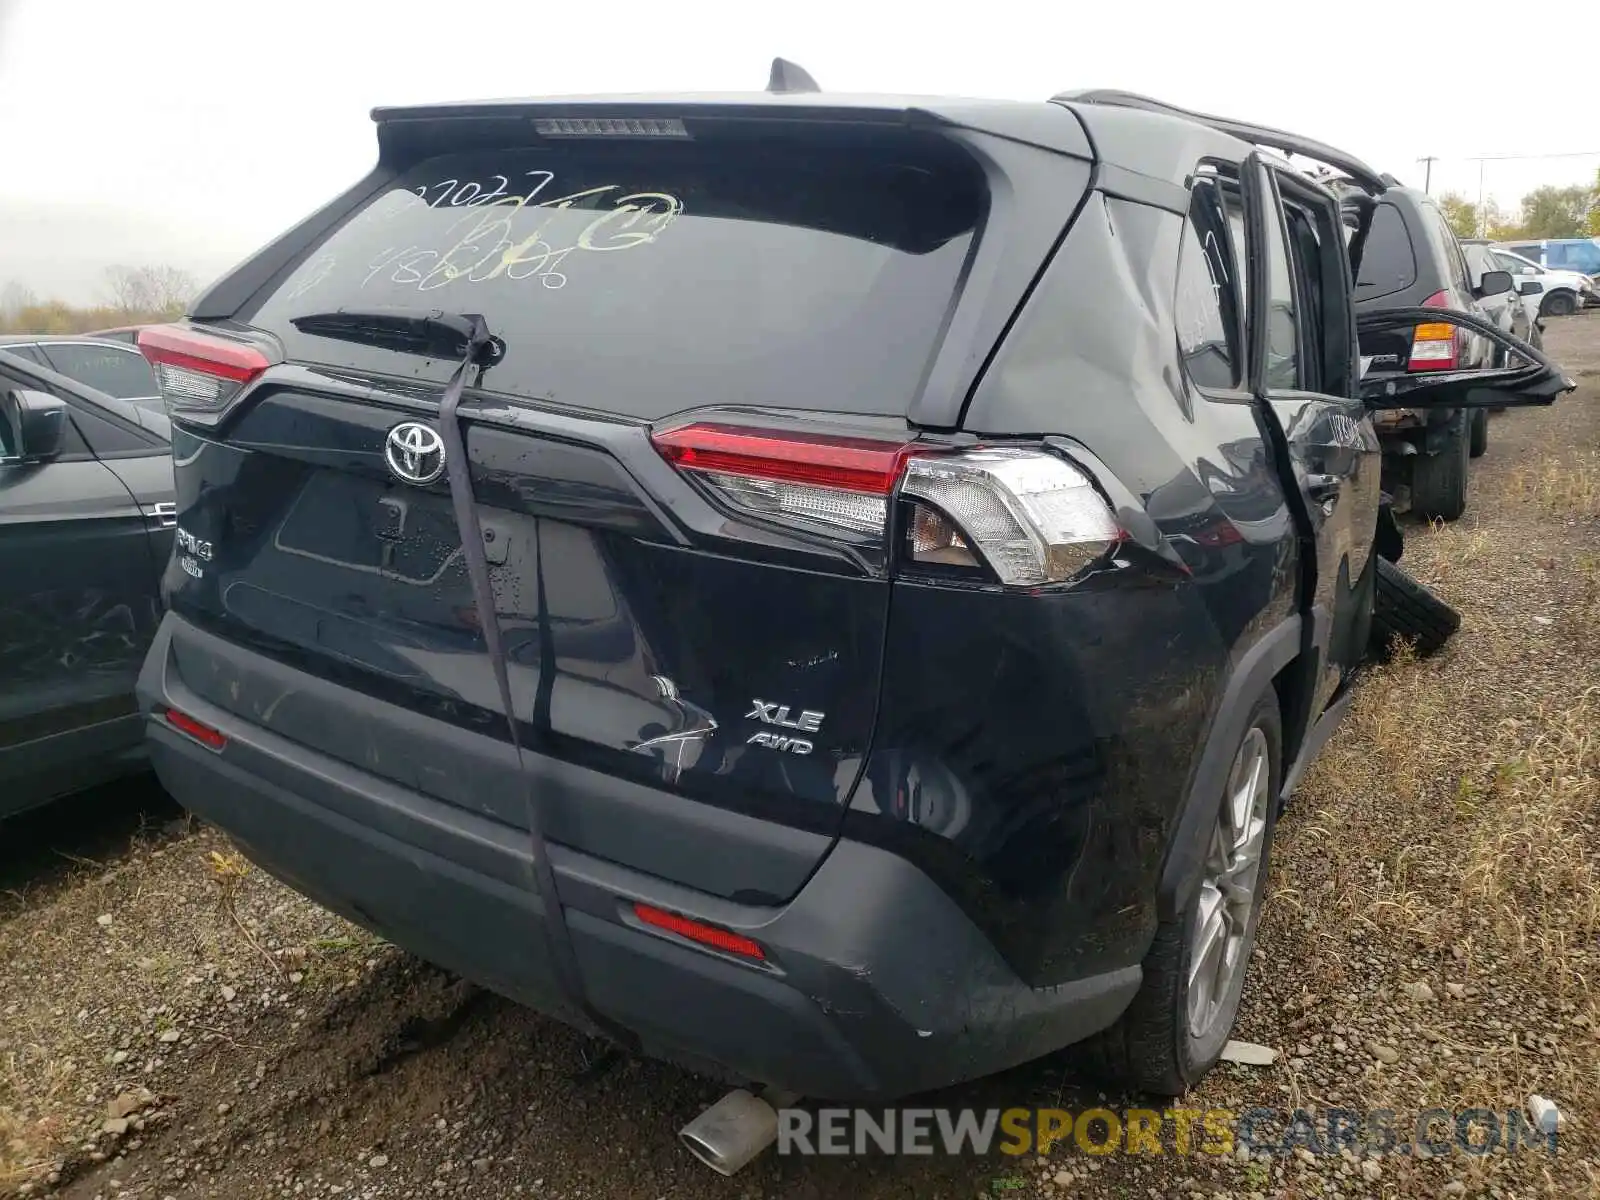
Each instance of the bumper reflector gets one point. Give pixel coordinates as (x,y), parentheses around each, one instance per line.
(696,931)
(201,733)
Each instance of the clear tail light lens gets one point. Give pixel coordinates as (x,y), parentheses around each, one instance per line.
(1435,346)
(931,537)
(196,372)
(800,502)
(1034,517)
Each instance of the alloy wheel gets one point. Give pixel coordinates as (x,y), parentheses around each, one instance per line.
(1228,886)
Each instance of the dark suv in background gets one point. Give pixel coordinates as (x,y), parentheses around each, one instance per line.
(829,591)
(1412,259)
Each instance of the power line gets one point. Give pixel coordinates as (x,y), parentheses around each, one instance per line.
(1519,157)
(1430,159)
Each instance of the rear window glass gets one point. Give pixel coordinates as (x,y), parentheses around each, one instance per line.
(645,278)
(124,374)
(1575,256)
(1387,262)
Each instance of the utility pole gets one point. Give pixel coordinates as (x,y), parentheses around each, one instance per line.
(1483,217)
(1427,178)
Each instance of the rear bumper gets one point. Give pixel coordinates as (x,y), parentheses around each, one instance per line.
(876,985)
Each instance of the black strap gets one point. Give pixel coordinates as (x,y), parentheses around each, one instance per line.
(558,937)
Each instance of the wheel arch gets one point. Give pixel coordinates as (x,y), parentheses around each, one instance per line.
(1276,663)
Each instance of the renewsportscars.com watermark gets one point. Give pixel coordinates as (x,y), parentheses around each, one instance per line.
(1182,1131)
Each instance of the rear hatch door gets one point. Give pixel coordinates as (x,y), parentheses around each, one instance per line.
(711,345)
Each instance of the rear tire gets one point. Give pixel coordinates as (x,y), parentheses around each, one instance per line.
(1478,443)
(1155,1046)
(1439,481)
(1405,610)
(1559,304)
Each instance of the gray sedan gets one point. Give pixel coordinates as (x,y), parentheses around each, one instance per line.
(86,526)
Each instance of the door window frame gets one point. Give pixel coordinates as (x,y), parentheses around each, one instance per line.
(16,372)
(44,346)
(1261,187)
(1216,177)
(1339,358)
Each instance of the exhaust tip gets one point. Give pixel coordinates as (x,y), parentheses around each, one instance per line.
(732,1132)
(706,1152)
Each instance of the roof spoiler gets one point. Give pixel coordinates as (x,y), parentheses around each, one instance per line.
(1353,168)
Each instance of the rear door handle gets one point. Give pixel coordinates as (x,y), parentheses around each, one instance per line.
(1324,487)
(1324,491)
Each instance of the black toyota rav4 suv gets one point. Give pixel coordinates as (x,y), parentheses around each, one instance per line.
(918,544)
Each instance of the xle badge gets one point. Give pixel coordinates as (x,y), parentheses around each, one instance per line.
(808,721)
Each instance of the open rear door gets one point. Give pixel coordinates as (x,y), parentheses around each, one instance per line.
(1527,378)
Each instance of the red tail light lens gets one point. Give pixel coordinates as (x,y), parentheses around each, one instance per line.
(851,464)
(199,731)
(1435,346)
(698,931)
(840,484)
(198,372)
(1224,534)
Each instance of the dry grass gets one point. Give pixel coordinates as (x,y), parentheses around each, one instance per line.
(1450,835)
(1462,852)
(1564,484)
(1534,849)
(1509,816)
(1455,837)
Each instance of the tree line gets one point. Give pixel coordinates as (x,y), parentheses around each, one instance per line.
(130,296)
(1546,212)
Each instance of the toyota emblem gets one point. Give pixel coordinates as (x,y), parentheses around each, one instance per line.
(415,453)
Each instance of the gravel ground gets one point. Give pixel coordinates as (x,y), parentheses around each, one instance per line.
(173,1024)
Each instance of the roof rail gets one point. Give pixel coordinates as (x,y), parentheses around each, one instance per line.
(1261,135)
(788,77)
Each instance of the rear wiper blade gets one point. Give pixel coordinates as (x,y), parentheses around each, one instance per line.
(432,332)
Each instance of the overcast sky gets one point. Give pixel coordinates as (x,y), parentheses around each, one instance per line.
(187,132)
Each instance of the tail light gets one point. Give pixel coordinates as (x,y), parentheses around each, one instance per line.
(1034,517)
(1225,533)
(198,372)
(1435,346)
(1030,515)
(834,484)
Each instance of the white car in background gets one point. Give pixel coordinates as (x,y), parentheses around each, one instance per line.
(1565,292)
